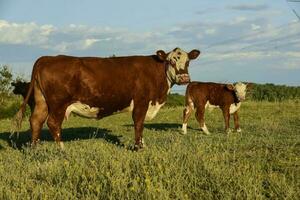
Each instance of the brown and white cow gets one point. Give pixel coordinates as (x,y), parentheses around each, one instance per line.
(98,87)
(21,88)
(201,95)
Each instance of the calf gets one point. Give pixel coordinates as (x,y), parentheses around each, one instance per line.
(202,95)
(21,88)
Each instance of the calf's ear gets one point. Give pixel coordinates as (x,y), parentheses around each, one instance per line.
(194,54)
(229,86)
(161,55)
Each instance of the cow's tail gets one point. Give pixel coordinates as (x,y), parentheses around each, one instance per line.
(18,118)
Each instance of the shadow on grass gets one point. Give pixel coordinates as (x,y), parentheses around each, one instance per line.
(68,134)
(159,126)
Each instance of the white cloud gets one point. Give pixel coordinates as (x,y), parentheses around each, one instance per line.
(89,42)
(26,33)
(238,20)
(210,31)
(255,27)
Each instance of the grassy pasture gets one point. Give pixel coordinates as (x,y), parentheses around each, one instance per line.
(262,162)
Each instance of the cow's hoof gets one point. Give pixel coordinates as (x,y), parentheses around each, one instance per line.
(238,130)
(206,132)
(183,132)
(184,129)
(138,147)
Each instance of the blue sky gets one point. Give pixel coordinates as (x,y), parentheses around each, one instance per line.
(255,41)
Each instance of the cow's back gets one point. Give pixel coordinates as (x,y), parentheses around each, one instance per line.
(203,92)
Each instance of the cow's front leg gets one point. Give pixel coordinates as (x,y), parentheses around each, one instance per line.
(226,115)
(138,116)
(236,122)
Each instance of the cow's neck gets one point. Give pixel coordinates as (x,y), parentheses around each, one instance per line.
(171,75)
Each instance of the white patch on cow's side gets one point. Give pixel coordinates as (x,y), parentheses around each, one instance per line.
(205,130)
(81,109)
(210,107)
(234,107)
(129,108)
(184,128)
(153,110)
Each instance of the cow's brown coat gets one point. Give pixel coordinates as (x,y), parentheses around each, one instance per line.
(107,83)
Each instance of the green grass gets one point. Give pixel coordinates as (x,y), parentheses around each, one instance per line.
(262,162)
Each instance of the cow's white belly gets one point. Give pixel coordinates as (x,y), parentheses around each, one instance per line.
(83,110)
(153,110)
(209,106)
(127,109)
(233,107)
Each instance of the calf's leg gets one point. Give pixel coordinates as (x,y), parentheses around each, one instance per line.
(186,115)
(200,118)
(236,122)
(226,115)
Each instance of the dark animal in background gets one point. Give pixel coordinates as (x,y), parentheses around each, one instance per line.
(98,87)
(21,88)
(201,95)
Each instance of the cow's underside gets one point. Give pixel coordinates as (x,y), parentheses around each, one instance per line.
(87,111)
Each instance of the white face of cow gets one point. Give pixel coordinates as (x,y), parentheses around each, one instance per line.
(240,90)
(177,65)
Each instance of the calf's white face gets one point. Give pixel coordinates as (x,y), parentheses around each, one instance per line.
(240,90)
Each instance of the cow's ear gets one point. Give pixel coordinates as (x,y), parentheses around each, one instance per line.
(194,54)
(230,87)
(161,55)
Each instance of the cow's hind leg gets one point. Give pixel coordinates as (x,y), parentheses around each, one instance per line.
(54,123)
(38,116)
(200,118)
(186,115)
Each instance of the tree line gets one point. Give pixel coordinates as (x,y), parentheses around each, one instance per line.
(9,103)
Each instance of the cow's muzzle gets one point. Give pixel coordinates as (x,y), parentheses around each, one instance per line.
(183,79)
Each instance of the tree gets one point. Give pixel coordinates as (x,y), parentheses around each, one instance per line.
(5,80)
